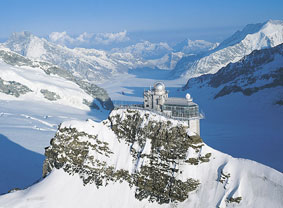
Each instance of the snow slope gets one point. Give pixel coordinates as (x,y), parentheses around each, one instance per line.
(37,80)
(35,97)
(25,130)
(231,50)
(21,75)
(221,181)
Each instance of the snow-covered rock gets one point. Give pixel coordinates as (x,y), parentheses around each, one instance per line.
(140,159)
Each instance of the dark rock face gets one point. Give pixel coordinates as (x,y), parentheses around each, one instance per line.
(52,96)
(169,144)
(155,180)
(67,152)
(90,104)
(242,75)
(13,88)
(96,92)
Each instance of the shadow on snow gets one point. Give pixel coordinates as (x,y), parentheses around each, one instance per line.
(20,167)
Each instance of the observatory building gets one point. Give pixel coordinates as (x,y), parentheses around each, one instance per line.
(157,99)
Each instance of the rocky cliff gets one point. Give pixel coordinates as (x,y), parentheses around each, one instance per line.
(156,148)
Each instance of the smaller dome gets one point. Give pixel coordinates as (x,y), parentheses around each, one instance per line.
(159,87)
(188,96)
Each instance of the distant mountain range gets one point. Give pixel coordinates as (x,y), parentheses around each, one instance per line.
(99,65)
(252,37)
(186,59)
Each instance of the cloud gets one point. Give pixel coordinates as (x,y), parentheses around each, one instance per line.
(107,38)
(61,38)
(85,37)
(89,39)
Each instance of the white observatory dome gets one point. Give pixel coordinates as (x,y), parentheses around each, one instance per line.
(159,87)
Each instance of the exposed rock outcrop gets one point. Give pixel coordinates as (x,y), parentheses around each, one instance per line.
(13,88)
(155,174)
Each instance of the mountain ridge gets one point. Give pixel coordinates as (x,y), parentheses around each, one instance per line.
(99,65)
(259,70)
(10,58)
(252,37)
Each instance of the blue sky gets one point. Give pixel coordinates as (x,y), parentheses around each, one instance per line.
(42,17)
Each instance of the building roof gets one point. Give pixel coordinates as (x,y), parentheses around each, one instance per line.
(179,101)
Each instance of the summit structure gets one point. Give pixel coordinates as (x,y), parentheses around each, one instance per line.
(157,99)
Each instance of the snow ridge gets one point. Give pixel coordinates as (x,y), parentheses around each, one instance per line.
(24,79)
(252,37)
(257,71)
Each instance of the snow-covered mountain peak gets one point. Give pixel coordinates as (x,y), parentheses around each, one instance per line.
(274,22)
(252,37)
(153,160)
(240,35)
(20,42)
(267,28)
(29,45)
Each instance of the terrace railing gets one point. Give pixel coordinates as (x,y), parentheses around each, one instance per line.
(140,107)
